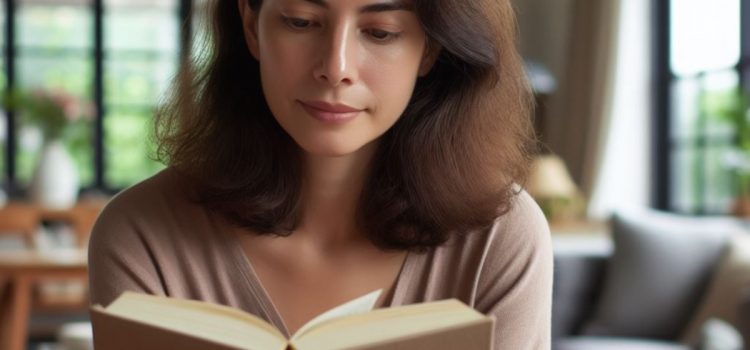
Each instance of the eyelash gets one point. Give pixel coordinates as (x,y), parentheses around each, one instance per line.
(292,22)
(377,35)
(389,36)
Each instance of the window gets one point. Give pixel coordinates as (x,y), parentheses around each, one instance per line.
(3,83)
(140,57)
(53,46)
(701,61)
(119,54)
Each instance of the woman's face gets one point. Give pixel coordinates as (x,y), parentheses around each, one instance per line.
(337,74)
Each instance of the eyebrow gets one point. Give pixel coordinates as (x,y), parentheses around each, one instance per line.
(397,5)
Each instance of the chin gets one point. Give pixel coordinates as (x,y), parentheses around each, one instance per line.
(329,149)
(333,148)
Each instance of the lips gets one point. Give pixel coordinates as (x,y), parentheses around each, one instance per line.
(330,112)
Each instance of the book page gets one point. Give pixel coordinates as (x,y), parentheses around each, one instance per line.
(217,323)
(438,325)
(359,305)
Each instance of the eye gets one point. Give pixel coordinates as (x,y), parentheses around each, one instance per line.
(382,36)
(297,23)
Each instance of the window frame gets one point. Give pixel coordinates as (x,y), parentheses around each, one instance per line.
(662,79)
(12,185)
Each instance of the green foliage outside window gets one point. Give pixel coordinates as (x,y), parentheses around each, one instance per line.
(55,51)
(129,148)
(733,107)
(141,46)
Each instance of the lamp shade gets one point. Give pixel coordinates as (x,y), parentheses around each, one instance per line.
(550,178)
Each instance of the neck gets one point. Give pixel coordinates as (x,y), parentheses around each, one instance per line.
(330,195)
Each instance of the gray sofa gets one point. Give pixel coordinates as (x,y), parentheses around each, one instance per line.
(611,299)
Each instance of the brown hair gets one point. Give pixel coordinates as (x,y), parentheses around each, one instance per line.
(451,163)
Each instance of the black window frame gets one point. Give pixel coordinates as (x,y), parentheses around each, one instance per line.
(12,186)
(662,78)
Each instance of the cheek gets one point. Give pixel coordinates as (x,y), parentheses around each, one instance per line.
(392,83)
(282,68)
(392,71)
(279,53)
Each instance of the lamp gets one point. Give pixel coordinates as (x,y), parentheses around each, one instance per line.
(552,187)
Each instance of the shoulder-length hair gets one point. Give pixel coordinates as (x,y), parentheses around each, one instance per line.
(451,164)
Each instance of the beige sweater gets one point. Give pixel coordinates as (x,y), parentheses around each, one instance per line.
(151,239)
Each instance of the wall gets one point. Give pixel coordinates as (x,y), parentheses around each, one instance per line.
(544,32)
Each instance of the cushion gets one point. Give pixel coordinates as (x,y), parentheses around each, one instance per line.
(724,294)
(76,336)
(577,279)
(658,273)
(612,343)
(719,335)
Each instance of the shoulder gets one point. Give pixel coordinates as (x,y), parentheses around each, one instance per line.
(138,235)
(121,246)
(517,253)
(159,189)
(133,216)
(489,262)
(522,230)
(148,200)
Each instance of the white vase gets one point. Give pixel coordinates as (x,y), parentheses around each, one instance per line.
(55,182)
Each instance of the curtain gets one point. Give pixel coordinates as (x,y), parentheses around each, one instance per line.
(578,113)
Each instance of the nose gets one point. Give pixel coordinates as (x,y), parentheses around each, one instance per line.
(338,64)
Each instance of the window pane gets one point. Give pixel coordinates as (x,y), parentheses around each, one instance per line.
(128,148)
(138,81)
(54,41)
(705,35)
(720,180)
(55,26)
(718,91)
(141,56)
(71,73)
(140,25)
(697,105)
(143,4)
(685,109)
(686,174)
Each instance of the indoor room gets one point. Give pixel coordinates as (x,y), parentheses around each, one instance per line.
(639,163)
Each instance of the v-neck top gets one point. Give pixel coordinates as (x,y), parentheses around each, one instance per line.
(151,238)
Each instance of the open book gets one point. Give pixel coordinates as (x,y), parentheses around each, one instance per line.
(146,322)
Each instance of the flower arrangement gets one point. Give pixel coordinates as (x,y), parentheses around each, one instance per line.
(62,120)
(52,111)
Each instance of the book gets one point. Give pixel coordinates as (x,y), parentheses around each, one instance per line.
(147,322)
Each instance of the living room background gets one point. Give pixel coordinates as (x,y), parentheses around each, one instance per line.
(121,55)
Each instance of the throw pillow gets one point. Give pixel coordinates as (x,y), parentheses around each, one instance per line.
(657,273)
(725,292)
(719,335)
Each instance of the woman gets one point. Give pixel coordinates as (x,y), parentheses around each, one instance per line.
(327,148)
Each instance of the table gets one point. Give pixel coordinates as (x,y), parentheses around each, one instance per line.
(19,271)
(24,218)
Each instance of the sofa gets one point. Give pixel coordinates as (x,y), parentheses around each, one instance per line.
(666,282)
